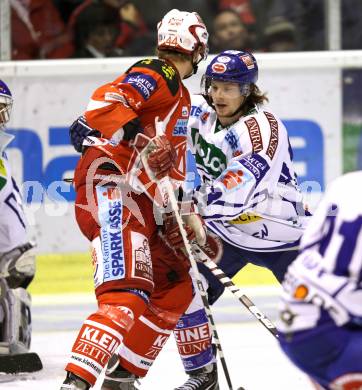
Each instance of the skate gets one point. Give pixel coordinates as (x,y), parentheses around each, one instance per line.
(73,382)
(204,378)
(119,379)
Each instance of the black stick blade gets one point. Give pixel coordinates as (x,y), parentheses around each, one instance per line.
(24,362)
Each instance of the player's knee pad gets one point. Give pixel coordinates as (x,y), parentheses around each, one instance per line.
(18,266)
(15,319)
(352,381)
(102,333)
(137,354)
(193,336)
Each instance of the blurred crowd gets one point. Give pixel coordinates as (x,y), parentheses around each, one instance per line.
(111,28)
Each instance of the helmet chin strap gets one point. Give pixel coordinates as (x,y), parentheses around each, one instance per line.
(195,67)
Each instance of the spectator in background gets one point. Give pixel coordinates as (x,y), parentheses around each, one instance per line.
(66,7)
(96,31)
(38,31)
(133,38)
(229,33)
(280,35)
(136,39)
(242,7)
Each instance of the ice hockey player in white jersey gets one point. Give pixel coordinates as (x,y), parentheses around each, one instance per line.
(17,263)
(248,197)
(321,311)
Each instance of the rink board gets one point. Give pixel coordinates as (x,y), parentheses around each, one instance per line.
(72,273)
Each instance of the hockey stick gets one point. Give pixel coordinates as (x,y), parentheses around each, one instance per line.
(166,188)
(229,284)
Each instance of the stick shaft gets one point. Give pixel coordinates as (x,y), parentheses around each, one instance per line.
(229,284)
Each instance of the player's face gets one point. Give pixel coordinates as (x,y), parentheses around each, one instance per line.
(4,114)
(226,97)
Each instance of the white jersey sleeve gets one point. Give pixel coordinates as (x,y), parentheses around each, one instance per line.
(12,217)
(327,275)
(259,145)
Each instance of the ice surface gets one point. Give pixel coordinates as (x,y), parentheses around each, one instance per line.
(253,356)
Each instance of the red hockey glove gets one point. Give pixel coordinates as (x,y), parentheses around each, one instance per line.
(162,157)
(193,224)
(172,232)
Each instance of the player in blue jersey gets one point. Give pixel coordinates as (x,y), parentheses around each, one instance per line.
(17,263)
(321,312)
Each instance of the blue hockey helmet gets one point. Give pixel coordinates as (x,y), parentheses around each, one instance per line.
(6,103)
(233,66)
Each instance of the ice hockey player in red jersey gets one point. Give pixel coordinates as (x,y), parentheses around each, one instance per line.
(141,284)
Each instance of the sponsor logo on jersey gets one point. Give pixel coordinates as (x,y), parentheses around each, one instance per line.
(254,134)
(248,61)
(232,179)
(223,59)
(218,67)
(141,257)
(195,111)
(2,168)
(185,112)
(168,71)
(3,179)
(110,217)
(142,83)
(94,263)
(232,139)
(256,165)
(274,135)
(126,310)
(115,97)
(180,127)
(262,233)
(204,116)
(245,219)
(208,156)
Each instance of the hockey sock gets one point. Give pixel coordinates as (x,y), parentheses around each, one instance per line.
(193,338)
(102,333)
(137,354)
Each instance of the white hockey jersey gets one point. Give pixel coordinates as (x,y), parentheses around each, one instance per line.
(12,218)
(249,194)
(324,283)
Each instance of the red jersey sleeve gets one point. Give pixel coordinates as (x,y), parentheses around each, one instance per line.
(138,92)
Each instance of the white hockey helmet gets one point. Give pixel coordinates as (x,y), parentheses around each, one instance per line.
(184,32)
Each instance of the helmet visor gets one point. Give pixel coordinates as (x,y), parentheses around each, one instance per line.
(231,89)
(6,104)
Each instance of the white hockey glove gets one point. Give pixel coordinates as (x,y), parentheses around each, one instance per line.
(307,280)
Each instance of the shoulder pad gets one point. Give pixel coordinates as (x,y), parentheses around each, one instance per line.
(168,73)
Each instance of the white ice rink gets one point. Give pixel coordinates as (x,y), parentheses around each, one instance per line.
(253,356)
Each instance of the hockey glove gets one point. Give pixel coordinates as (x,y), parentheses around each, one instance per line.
(193,224)
(162,157)
(79,131)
